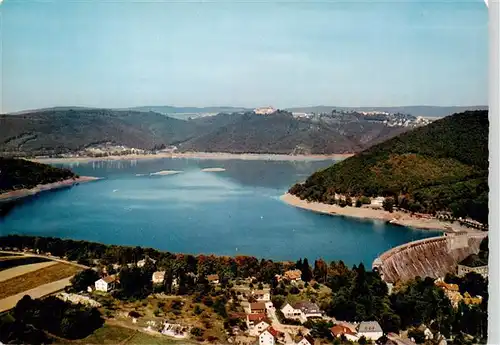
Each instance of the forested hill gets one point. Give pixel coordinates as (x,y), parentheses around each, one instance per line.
(440,167)
(63,130)
(19,173)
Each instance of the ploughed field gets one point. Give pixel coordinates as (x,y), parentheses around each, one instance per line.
(34,276)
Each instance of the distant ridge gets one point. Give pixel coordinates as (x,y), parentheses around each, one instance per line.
(415,110)
(185,112)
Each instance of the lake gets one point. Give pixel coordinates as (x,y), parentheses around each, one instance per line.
(231,212)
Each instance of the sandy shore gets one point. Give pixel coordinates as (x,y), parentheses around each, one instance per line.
(397,218)
(22,193)
(198,155)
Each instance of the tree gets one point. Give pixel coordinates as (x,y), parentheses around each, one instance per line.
(83,279)
(388,204)
(320,271)
(306,271)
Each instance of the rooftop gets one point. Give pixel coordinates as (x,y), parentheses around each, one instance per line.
(369,326)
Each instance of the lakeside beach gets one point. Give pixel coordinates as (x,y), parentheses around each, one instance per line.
(22,193)
(197,155)
(396,217)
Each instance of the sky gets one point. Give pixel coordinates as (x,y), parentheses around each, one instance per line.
(125,53)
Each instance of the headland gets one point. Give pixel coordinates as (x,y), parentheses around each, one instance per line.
(396,217)
(22,193)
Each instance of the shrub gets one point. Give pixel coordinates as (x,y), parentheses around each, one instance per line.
(196,331)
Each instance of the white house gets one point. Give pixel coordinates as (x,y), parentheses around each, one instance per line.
(371,330)
(268,337)
(301,311)
(158,277)
(105,284)
(306,340)
(142,262)
(257,323)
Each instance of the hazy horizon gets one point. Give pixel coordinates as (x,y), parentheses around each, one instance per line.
(132,54)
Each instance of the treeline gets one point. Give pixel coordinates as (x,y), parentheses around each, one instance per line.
(440,167)
(19,173)
(200,265)
(33,320)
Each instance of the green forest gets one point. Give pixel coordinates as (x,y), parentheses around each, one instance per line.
(440,167)
(19,173)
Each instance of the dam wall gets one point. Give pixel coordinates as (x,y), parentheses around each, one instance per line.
(431,257)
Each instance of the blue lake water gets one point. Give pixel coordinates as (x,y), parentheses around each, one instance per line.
(234,212)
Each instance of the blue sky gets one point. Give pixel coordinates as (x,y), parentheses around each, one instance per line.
(252,53)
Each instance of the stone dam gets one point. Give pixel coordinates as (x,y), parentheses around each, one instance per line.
(432,257)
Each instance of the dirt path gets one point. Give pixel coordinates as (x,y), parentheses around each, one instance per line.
(20,270)
(40,291)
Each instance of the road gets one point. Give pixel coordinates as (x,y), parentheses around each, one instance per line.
(288,330)
(38,292)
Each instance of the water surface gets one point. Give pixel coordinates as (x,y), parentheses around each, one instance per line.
(233,212)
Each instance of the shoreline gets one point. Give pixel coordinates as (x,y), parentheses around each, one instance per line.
(197,155)
(396,218)
(23,193)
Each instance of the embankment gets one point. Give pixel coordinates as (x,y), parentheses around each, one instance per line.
(431,257)
(22,193)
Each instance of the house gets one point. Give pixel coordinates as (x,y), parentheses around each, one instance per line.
(142,262)
(293,275)
(340,330)
(106,284)
(268,337)
(213,278)
(306,340)
(377,202)
(257,308)
(261,295)
(253,319)
(371,330)
(301,311)
(257,323)
(158,277)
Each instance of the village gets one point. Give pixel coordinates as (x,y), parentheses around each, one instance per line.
(264,323)
(287,308)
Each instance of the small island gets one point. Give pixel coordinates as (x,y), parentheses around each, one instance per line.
(165,172)
(213,169)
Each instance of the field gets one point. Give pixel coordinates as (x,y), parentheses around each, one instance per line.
(36,278)
(22,270)
(11,261)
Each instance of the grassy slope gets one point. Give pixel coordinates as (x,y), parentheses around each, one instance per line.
(441,166)
(19,173)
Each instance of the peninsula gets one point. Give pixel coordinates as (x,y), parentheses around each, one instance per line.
(436,171)
(21,178)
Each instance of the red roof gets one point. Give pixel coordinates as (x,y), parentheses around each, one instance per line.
(274,332)
(339,330)
(256,317)
(257,306)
